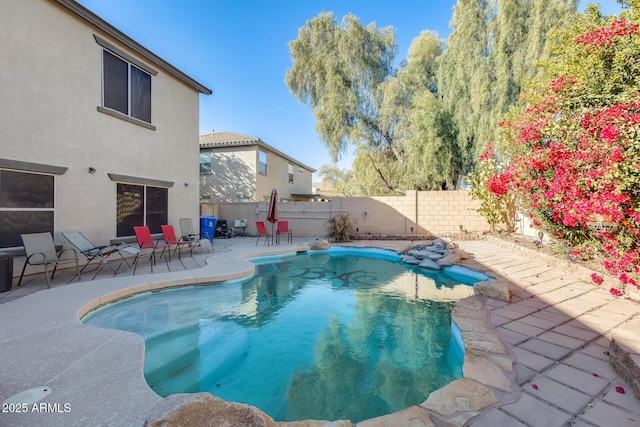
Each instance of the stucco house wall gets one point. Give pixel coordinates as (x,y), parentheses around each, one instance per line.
(50,114)
(235,174)
(278,177)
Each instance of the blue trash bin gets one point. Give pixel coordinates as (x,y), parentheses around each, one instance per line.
(208,225)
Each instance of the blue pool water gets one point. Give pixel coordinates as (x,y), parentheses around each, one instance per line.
(343,334)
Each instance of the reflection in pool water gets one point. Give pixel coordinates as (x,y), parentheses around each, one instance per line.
(316,336)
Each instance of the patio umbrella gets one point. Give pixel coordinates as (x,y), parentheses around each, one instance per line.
(272,212)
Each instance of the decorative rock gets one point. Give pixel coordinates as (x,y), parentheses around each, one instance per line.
(430,264)
(320,245)
(410,260)
(439,245)
(460,395)
(417,254)
(493,289)
(439,250)
(203,409)
(452,258)
(434,255)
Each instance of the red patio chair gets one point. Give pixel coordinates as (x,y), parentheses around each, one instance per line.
(262,232)
(283,228)
(145,241)
(170,239)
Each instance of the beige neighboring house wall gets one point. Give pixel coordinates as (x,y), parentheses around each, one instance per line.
(235,174)
(52,118)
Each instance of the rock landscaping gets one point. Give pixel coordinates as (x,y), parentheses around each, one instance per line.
(434,254)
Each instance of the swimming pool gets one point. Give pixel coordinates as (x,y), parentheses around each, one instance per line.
(339,334)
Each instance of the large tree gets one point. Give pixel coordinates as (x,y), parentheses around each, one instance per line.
(491,53)
(338,69)
(425,124)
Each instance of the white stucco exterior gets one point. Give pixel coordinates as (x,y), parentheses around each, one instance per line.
(51,79)
(236,175)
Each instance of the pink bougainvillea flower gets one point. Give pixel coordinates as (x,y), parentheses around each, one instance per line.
(597,279)
(535,387)
(609,133)
(595,375)
(615,292)
(488,152)
(620,389)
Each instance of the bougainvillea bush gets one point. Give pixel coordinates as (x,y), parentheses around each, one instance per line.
(490,183)
(575,142)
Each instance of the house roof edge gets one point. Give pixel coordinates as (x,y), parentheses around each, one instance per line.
(96,21)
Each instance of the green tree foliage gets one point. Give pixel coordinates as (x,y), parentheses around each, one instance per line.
(464,77)
(491,53)
(433,156)
(339,182)
(359,100)
(425,124)
(337,69)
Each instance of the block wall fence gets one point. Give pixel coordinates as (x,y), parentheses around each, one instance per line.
(416,213)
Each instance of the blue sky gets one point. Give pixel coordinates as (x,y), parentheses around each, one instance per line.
(239,49)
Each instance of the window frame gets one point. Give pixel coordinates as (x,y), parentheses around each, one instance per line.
(290,172)
(42,217)
(205,164)
(262,170)
(130,61)
(122,228)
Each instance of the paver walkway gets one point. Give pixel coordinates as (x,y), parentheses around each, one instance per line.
(558,327)
(557,324)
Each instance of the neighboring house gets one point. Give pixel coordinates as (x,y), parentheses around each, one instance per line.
(98,134)
(241,168)
(321,191)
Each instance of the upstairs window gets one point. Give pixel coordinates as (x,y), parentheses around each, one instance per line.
(125,87)
(290,173)
(262,157)
(205,163)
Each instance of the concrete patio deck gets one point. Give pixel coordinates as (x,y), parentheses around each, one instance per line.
(557,327)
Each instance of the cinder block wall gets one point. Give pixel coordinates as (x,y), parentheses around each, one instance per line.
(445,211)
(419,212)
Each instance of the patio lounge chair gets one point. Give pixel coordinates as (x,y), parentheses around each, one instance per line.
(40,250)
(201,240)
(283,228)
(145,241)
(100,253)
(262,232)
(170,239)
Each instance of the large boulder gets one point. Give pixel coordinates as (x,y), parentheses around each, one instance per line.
(492,288)
(203,409)
(410,260)
(451,258)
(430,264)
(320,245)
(427,253)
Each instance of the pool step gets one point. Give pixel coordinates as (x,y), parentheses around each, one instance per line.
(191,362)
